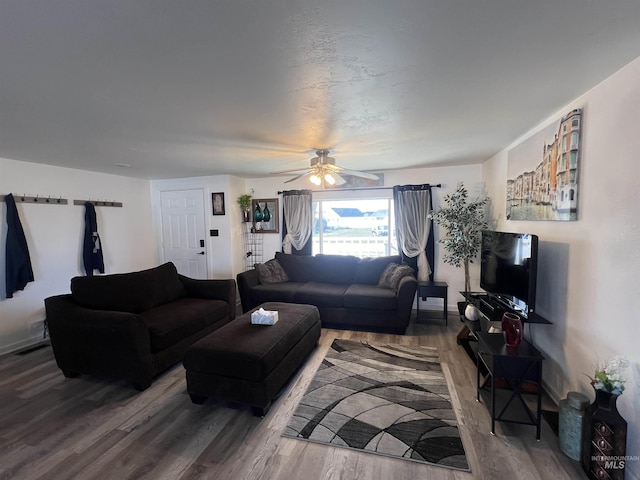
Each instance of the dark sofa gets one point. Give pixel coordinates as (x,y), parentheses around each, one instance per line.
(347,290)
(133,326)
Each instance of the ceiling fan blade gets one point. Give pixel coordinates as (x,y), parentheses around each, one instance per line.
(339,179)
(293,170)
(299,176)
(357,173)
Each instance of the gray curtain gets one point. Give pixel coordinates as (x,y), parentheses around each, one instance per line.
(414,229)
(297,221)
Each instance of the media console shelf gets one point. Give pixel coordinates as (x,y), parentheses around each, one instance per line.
(518,368)
(493,307)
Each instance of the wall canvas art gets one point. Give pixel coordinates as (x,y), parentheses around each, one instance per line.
(542,172)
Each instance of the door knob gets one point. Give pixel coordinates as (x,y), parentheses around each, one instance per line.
(201,253)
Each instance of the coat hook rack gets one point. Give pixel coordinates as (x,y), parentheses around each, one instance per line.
(37,199)
(98,203)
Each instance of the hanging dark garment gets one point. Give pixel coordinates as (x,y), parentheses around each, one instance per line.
(92,251)
(18,262)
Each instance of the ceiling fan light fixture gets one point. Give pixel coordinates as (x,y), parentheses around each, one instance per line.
(315,179)
(329,179)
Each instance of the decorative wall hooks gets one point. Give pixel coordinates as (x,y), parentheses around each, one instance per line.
(98,203)
(37,199)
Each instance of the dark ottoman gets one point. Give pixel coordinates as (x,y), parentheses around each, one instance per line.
(250,364)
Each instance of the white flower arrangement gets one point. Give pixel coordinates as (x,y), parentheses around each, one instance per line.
(609,377)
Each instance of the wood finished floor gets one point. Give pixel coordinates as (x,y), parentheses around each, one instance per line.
(92,428)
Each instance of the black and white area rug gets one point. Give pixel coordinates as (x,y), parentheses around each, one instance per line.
(386,399)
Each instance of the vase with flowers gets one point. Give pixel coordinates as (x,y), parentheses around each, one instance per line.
(244,201)
(605,438)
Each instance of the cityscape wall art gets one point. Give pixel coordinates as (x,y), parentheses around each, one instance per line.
(542,172)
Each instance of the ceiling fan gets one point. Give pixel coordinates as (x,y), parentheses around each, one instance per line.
(323,169)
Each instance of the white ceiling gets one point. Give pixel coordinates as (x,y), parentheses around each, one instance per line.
(245,87)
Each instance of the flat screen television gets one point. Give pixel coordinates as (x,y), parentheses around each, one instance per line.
(508,269)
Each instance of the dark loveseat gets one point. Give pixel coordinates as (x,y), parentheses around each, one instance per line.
(132,326)
(348,291)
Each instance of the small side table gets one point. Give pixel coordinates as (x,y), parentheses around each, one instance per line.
(435,290)
(514,366)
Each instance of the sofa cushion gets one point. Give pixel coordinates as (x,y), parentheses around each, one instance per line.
(275,292)
(169,324)
(370,297)
(271,272)
(385,276)
(392,275)
(133,292)
(334,268)
(368,270)
(398,274)
(299,268)
(321,294)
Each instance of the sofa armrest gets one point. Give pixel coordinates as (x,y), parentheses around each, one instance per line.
(98,341)
(212,290)
(405,295)
(246,281)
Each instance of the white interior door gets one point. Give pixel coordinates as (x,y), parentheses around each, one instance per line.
(183,231)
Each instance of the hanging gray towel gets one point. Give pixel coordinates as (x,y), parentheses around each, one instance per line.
(92,250)
(18,262)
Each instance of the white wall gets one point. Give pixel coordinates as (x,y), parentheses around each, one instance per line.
(588,269)
(55,232)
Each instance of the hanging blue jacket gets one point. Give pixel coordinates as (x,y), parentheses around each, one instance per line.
(18,262)
(92,248)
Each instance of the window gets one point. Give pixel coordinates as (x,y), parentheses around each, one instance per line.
(574,141)
(359,227)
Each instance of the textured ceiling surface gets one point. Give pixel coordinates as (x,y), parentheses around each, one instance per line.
(246,87)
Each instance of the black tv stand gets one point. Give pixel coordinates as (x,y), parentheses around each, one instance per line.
(493,307)
(486,303)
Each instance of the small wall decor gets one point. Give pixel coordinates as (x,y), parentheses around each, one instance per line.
(267,220)
(217,202)
(542,172)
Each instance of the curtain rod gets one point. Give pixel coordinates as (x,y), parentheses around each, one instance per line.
(439,185)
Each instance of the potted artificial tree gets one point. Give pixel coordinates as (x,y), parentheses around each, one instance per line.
(244,201)
(463,222)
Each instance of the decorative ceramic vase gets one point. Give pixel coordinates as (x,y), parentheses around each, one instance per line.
(604,444)
(512,329)
(572,424)
(266,214)
(246,215)
(472,313)
(257,213)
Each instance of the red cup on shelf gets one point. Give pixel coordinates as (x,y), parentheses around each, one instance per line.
(512,329)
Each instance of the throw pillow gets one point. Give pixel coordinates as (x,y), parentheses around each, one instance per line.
(271,272)
(398,274)
(386,274)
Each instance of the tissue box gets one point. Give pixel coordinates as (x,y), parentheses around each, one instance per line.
(264,317)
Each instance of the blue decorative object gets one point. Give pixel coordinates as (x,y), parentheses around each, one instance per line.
(266,214)
(572,424)
(257,213)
